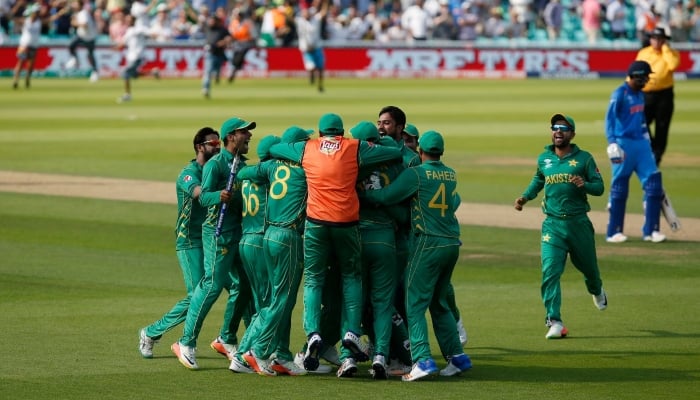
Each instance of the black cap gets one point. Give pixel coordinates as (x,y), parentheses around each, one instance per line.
(639,68)
(659,32)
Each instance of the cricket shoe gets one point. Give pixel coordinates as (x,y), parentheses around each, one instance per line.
(619,237)
(71,63)
(347,368)
(420,370)
(262,367)
(239,365)
(94,77)
(322,368)
(284,367)
(223,348)
(463,338)
(185,354)
(358,349)
(557,330)
(379,367)
(125,98)
(655,237)
(601,300)
(457,365)
(313,347)
(146,344)
(397,368)
(330,354)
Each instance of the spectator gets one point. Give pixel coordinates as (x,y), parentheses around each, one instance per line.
(521,16)
(469,23)
(552,14)
(5,16)
(495,26)
(160,26)
(117,26)
(181,27)
(357,27)
(445,27)
(417,22)
(200,27)
(678,21)
(62,24)
(243,31)
(373,21)
(391,30)
(590,19)
(616,14)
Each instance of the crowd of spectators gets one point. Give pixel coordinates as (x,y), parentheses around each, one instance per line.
(383,21)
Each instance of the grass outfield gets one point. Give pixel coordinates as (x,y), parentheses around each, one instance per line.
(79,277)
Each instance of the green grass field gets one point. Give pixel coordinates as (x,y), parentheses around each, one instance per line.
(79,277)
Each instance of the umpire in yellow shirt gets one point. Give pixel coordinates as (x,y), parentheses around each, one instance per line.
(658,92)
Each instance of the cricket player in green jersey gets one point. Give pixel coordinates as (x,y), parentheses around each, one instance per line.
(568,175)
(254,192)
(284,258)
(188,236)
(222,265)
(433,253)
(379,269)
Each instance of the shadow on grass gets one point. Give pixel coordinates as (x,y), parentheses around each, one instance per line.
(562,374)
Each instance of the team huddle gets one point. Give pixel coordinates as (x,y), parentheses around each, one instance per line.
(367,222)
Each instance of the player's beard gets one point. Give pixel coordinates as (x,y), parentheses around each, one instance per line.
(211,153)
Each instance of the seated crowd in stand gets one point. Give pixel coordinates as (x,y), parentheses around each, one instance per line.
(383,21)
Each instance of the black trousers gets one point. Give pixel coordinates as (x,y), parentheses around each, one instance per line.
(658,109)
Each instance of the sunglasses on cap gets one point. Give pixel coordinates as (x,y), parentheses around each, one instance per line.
(214,142)
(562,128)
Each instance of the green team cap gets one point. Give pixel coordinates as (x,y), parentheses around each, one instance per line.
(234,123)
(411,130)
(432,142)
(330,124)
(295,134)
(264,145)
(365,130)
(562,117)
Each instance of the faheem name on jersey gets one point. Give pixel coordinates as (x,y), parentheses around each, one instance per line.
(441,175)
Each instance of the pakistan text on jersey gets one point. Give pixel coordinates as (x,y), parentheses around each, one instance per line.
(557,178)
(441,175)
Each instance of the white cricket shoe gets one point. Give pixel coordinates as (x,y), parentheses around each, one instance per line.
(421,369)
(313,347)
(556,330)
(71,63)
(225,349)
(124,98)
(322,368)
(352,342)
(397,368)
(655,237)
(456,365)
(379,367)
(259,365)
(185,354)
(284,367)
(94,77)
(601,300)
(617,238)
(239,365)
(347,368)
(146,344)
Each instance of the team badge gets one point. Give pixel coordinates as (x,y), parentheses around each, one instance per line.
(187,178)
(573,163)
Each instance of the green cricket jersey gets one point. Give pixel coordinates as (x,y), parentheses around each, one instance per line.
(432,188)
(254,198)
(562,198)
(375,178)
(286,205)
(214,178)
(191,215)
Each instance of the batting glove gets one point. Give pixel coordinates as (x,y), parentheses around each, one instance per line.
(615,153)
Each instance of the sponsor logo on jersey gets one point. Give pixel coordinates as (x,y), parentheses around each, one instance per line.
(329,146)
